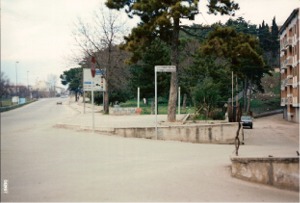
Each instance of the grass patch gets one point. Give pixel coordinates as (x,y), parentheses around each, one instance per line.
(162,107)
(11,106)
(5,103)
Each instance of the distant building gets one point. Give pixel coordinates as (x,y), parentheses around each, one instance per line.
(289,35)
(41,90)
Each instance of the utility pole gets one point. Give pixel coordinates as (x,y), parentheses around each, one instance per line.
(17,77)
(28,86)
(236,99)
(232,94)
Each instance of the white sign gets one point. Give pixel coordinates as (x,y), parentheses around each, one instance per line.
(15,99)
(98,82)
(165,68)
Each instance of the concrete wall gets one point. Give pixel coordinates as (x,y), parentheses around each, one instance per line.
(221,133)
(279,172)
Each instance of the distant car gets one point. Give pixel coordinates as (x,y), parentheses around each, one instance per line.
(247,121)
(59,102)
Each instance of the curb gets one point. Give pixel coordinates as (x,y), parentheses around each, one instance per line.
(84,128)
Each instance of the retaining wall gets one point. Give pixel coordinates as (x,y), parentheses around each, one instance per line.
(221,133)
(279,172)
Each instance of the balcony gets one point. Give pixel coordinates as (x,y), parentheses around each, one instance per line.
(286,43)
(290,100)
(295,82)
(289,81)
(283,84)
(287,62)
(294,61)
(283,64)
(283,101)
(295,102)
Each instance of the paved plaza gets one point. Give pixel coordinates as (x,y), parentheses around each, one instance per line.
(43,163)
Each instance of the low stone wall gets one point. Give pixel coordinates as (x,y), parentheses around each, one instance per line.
(221,133)
(279,172)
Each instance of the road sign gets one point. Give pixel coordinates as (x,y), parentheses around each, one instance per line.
(98,82)
(165,68)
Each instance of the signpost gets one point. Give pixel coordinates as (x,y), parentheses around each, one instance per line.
(93,80)
(163,68)
(178,100)
(98,83)
(138,97)
(93,71)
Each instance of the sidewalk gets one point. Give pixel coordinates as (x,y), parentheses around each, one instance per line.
(84,119)
(270,136)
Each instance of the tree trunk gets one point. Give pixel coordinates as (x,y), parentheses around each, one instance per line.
(184,102)
(245,94)
(76,93)
(249,97)
(174,82)
(106,102)
(106,94)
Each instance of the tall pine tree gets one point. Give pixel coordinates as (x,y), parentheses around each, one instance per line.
(275,42)
(161,19)
(269,42)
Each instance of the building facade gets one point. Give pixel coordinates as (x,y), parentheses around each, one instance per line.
(289,35)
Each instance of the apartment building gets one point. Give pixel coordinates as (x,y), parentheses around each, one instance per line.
(289,35)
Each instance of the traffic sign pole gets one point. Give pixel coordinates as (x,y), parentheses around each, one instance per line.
(93,72)
(156,104)
(93,108)
(138,97)
(178,100)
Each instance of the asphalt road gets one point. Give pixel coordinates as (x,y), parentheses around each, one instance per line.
(42,163)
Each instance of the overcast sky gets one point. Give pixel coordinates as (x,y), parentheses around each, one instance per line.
(38,33)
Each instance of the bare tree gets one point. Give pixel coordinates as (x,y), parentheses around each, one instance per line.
(102,35)
(5,88)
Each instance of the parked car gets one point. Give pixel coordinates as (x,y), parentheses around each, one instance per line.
(247,121)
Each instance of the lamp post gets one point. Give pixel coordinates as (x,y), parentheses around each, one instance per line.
(28,86)
(16,77)
(27,80)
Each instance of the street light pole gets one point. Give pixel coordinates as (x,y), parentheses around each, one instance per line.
(16,78)
(28,86)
